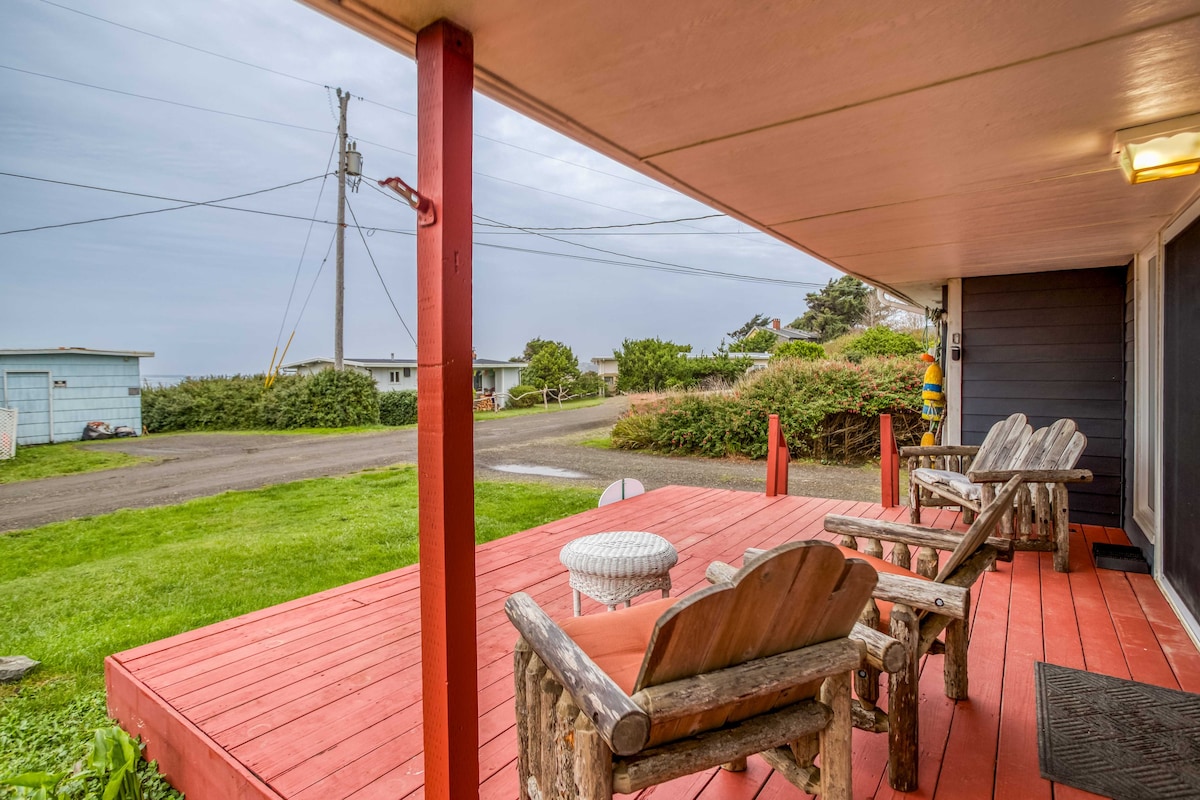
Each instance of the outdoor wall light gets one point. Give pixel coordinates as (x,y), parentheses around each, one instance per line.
(1168,149)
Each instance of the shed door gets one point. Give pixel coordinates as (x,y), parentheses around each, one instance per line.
(29,393)
(1181,420)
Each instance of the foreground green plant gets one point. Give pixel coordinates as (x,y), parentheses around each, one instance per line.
(112,769)
(74,592)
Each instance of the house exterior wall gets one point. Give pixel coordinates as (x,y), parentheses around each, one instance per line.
(1052,345)
(72,389)
(383,379)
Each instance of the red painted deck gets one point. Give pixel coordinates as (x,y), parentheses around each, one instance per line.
(319,698)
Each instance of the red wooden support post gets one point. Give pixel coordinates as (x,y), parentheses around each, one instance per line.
(445,454)
(777,458)
(889,464)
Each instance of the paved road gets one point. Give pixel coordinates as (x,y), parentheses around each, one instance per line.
(199,465)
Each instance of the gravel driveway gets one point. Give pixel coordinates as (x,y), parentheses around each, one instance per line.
(199,465)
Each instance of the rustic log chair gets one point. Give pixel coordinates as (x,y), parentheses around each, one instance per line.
(1045,458)
(914,608)
(762,664)
(937,474)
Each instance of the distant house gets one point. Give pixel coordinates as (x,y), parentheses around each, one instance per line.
(606,368)
(57,391)
(399,374)
(758,360)
(789,334)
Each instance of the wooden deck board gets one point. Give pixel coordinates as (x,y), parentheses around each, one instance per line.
(319,698)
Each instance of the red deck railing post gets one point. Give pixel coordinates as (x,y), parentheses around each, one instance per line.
(777,458)
(889,464)
(445,454)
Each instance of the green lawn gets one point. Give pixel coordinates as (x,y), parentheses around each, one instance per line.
(586,402)
(73,592)
(45,460)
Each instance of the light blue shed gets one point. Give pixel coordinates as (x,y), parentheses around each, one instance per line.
(58,391)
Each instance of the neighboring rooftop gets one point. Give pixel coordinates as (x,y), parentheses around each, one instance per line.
(81,350)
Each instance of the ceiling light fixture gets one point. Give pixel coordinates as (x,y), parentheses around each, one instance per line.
(1168,149)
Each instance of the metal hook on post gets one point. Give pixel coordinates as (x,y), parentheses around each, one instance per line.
(426,215)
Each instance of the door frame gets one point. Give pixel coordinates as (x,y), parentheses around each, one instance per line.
(49,394)
(1191,623)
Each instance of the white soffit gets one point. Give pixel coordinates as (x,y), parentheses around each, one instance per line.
(905,141)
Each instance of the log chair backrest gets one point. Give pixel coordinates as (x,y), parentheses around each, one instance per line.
(1005,442)
(796,595)
(1057,446)
(981,529)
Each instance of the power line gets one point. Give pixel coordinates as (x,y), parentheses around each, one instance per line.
(307,237)
(658,267)
(182,44)
(606,227)
(184,203)
(163,100)
(282,74)
(354,217)
(665,266)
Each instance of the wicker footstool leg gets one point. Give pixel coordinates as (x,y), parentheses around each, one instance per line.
(576,599)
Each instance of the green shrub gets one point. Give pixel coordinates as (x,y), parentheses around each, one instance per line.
(398,408)
(880,341)
(635,431)
(828,409)
(522,396)
(807,351)
(329,399)
(204,404)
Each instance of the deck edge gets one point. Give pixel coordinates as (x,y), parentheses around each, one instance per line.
(191,761)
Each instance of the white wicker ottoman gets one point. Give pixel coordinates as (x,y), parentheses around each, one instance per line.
(617,567)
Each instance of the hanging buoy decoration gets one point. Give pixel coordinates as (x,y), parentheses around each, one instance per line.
(932,396)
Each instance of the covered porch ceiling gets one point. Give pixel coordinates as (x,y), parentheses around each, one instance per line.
(902,141)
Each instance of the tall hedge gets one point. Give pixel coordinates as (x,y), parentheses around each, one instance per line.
(829,410)
(205,404)
(398,408)
(328,399)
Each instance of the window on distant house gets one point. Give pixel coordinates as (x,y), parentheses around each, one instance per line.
(408,372)
(394,377)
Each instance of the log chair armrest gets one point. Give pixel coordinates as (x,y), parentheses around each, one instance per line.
(883,652)
(698,694)
(624,726)
(1031,475)
(903,533)
(940,450)
(936,598)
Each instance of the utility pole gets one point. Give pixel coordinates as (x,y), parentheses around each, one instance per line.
(339,292)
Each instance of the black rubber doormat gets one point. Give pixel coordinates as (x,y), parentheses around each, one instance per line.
(1118,738)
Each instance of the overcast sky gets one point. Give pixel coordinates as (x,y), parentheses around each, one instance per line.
(207,289)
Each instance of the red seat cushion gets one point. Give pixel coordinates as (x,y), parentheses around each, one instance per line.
(885,608)
(617,640)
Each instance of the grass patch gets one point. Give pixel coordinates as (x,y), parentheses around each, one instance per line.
(586,402)
(48,460)
(603,443)
(73,592)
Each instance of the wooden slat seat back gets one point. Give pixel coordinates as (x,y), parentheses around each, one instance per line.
(1005,444)
(804,594)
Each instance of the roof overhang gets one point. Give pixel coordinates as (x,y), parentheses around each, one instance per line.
(47,351)
(904,142)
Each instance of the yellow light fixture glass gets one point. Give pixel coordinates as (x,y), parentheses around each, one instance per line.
(1167,149)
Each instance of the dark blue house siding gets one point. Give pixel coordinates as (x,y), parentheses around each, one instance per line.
(1051,345)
